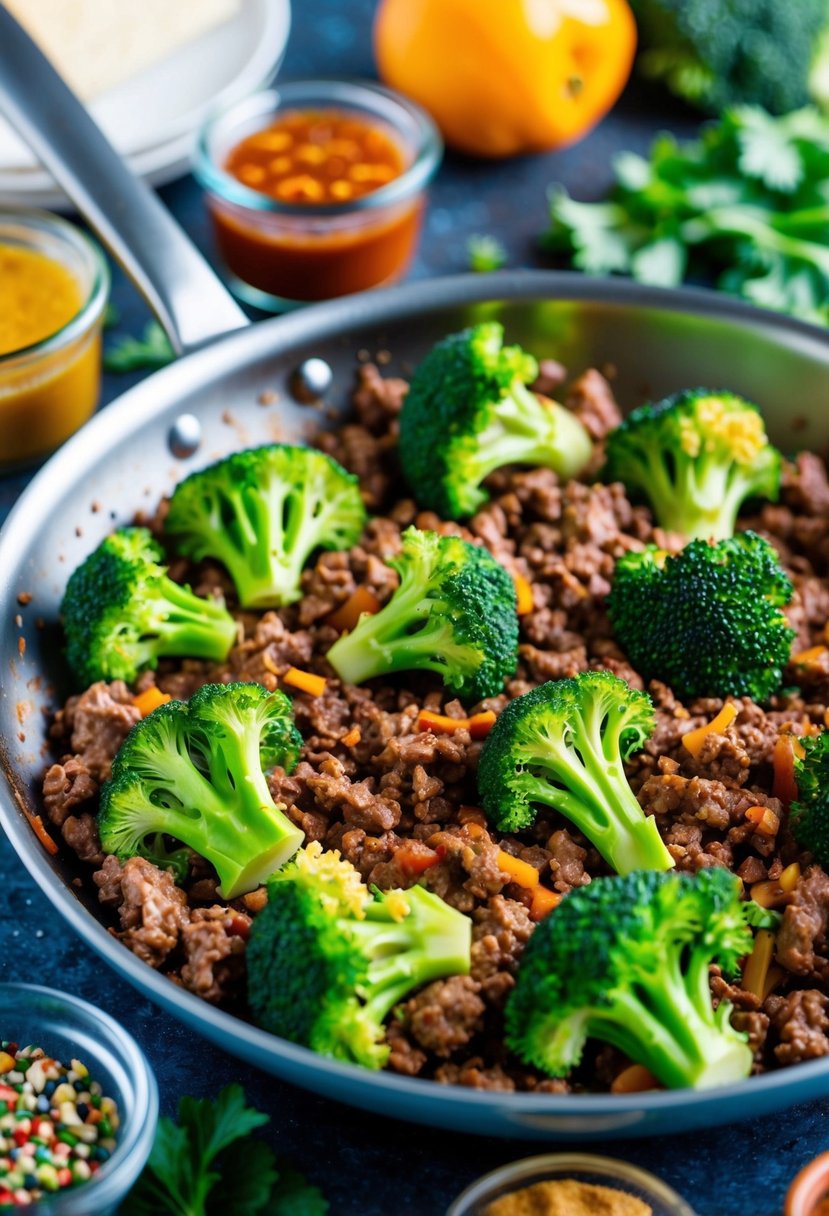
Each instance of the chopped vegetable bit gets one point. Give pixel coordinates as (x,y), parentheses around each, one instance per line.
(57,1127)
(305,681)
(151,351)
(478,725)
(148,700)
(519,871)
(485,253)
(209,1164)
(524,594)
(757,965)
(695,739)
(348,614)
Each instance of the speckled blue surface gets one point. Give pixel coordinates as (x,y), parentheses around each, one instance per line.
(370,1166)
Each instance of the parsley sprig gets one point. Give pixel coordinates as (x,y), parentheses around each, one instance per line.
(127,354)
(745,205)
(209,1164)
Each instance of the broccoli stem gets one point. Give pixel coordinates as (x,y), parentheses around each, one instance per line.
(665,1028)
(430,942)
(180,622)
(527,430)
(596,796)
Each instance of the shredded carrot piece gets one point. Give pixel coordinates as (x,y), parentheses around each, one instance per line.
(416,858)
(635,1079)
(255,901)
(305,681)
(348,614)
(519,871)
(352,737)
(764,820)
(479,725)
(786,748)
(41,833)
(812,657)
(694,740)
(473,830)
(543,902)
(790,877)
(524,594)
(150,699)
(756,969)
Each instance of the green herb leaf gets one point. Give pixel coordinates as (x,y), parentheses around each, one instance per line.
(485,253)
(294,1196)
(127,354)
(759,917)
(246,1183)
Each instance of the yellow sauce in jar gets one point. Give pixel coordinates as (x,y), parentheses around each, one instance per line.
(44,397)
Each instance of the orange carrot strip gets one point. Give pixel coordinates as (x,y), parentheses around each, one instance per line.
(524,594)
(790,877)
(543,902)
(519,871)
(694,740)
(416,858)
(41,833)
(305,681)
(479,725)
(758,963)
(764,820)
(784,786)
(473,830)
(635,1079)
(148,700)
(810,658)
(352,737)
(348,614)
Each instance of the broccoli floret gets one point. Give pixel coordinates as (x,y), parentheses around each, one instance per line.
(262,513)
(718,53)
(327,960)
(809,814)
(454,613)
(625,960)
(194,771)
(121,612)
(563,746)
(708,621)
(697,456)
(468,411)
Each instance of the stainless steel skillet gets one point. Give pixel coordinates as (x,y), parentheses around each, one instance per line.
(122,461)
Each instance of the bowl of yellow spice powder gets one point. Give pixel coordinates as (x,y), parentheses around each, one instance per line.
(54,284)
(569,1184)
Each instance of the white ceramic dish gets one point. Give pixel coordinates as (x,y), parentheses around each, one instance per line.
(152,119)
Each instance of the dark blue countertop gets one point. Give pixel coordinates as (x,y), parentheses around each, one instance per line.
(368,1165)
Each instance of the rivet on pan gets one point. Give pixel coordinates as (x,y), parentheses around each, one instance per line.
(311,380)
(185,435)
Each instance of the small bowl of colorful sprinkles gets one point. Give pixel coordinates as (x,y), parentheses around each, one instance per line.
(78,1105)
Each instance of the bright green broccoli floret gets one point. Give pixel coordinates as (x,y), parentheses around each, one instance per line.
(327,960)
(194,771)
(697,456)
(719,53)
(262,513)
(121,612)
(454,613)
(468,411)
(625,960)
(809,815)
(709,621)
(563,746)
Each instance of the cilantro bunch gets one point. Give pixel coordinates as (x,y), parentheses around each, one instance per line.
(746,205)
(209,1164)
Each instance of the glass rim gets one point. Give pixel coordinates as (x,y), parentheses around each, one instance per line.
(92,306)
(332,90)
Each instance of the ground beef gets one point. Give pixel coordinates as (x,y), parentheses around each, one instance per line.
(402,805)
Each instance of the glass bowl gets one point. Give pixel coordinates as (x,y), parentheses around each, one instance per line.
(48,389)
(68,1027)
(602,1171)
(279,254)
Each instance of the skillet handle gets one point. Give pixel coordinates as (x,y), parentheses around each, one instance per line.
(180,287)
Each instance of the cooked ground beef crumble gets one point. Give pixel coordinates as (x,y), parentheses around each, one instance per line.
(371,791)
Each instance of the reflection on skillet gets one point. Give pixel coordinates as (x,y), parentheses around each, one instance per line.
(387,771)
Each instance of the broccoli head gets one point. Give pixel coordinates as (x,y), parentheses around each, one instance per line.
(809,813)
(122,613)
(563,745)
(697,456)
(327,960)
(195,772)
(262,513)
(625,960)
(709,622)
(468,411)
(719,53)
(454,613)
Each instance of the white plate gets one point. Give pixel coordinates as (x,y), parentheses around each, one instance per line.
(152,118)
